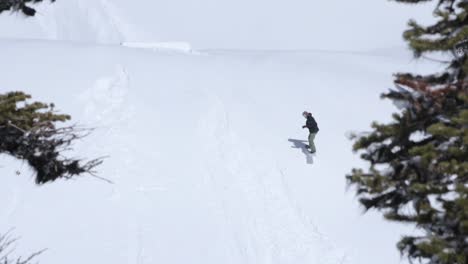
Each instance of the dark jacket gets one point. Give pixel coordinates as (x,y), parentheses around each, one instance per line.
(311,124)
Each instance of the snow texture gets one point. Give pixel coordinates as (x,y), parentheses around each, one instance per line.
(205,149)
(206,153)
(160,46)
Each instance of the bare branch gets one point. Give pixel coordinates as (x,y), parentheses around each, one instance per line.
(7,247)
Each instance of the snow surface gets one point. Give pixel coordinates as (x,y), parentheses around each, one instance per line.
(201,150)
(241,24)
(160,46)
(92,21)
(204,146)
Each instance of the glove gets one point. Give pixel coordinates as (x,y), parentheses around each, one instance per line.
(304,126)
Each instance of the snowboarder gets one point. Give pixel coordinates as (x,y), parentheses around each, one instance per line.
(311,124)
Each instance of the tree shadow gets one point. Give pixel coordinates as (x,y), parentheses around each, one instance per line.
(301,144)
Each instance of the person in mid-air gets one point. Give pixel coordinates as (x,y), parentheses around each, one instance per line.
(311,124)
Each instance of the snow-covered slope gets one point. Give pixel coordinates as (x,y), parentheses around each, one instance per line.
(201,150)
(93,21)
(240,24)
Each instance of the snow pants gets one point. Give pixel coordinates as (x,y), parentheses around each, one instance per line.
(311,142)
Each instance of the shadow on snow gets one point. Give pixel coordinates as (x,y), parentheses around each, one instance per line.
(301,144)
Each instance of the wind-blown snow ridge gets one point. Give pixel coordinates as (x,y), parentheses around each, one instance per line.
(160,46)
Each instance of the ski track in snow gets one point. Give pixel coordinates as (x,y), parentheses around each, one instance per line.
(108,104)
(273,230)
(105,100)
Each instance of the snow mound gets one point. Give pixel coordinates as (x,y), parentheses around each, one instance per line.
(161,46)
(94,21)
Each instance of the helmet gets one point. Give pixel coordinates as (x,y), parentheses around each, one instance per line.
(305,113)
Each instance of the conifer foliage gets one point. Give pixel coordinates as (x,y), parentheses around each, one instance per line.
(28,131)
(419,162)
(19,5)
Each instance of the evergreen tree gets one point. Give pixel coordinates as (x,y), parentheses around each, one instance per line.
(419,162)
(19,5)
(28,131)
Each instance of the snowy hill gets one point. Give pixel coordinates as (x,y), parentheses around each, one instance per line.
(201,150)
(205,145)
(241,24)
(93,21)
